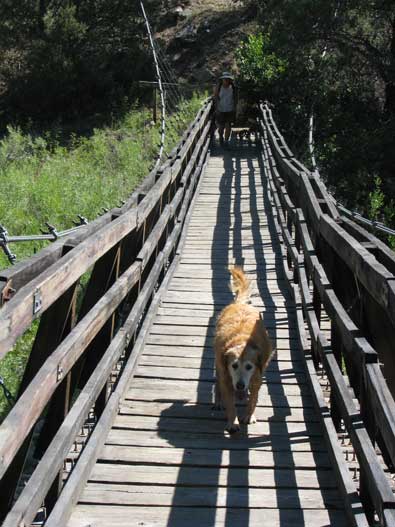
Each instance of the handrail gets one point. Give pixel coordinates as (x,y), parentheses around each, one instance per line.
(131,255)
(312,236)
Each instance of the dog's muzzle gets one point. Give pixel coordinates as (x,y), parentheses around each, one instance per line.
(241,391)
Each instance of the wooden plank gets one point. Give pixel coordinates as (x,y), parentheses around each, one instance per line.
(186,317)
(192,297)
(205,411)
(268,273)
(285,368)
(264,289)
(212,457)
(163,495)
(201,341)
(181,329)
(215,425)
(203,393)
(105,515)
(208,375)
(188,440)
(201,476)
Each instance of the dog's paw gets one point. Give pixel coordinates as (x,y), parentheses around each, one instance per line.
(233,429)
(249,419)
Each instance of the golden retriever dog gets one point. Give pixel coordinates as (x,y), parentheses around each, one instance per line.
(242,352)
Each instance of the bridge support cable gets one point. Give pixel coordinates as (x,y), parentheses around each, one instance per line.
(161,91)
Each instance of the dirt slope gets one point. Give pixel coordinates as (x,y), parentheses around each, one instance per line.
(200,36)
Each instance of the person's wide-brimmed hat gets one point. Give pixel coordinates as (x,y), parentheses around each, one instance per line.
(227,75)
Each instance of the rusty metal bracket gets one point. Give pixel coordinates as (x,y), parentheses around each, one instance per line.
(6,291)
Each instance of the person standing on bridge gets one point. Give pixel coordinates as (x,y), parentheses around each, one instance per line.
(225,106)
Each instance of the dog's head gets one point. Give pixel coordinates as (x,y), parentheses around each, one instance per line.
(242,362)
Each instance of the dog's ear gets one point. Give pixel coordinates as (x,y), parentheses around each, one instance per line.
(259,361)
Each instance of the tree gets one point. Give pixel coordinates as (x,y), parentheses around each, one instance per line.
(76,56)
(340,58)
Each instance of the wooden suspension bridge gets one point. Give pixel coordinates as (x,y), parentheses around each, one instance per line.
(114,424)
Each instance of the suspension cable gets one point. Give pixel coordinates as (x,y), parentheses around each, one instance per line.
(159,79)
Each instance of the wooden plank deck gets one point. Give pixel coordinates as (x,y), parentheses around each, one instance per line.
(167,461)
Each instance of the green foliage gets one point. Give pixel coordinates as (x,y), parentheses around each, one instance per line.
(257,64)
(339,64)
(41,180)
(376,200)
(69,58)
(13,366)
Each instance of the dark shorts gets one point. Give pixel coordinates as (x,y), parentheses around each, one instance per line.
(224,118)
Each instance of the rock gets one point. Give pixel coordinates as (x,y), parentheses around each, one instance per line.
(187,35)
(176,57)
(204,75)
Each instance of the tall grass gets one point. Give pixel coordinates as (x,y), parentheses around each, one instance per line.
(41,180)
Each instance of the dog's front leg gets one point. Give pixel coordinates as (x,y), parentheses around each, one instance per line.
(250,418)
(217,397)
(229,399)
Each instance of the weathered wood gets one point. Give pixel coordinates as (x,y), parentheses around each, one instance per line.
(201,411)
(142,438)
(207,375)
(79,476)
(200,476)
(24,414)
(54,325)
(212,457)
(34,492)
(104,515)
(122,494)
(347,488)
(280,367)
(17,314)
(383,407)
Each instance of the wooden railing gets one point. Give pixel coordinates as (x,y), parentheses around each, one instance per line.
(89,336)
(336,268)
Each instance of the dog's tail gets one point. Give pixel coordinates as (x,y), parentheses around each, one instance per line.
(240,285)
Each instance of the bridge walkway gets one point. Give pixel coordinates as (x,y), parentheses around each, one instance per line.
(167,460)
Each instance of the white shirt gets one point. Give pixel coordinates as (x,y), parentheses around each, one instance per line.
(226,99)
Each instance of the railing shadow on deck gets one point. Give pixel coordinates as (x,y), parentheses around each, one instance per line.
(237,500)
(277,376)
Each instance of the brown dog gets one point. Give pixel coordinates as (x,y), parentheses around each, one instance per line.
(242,353)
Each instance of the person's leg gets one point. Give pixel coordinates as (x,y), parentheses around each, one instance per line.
(228,129)
(221,133)
(228,126)
(221,126)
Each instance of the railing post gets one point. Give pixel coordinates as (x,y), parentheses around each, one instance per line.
(337,352)
(55,323)
(104,274)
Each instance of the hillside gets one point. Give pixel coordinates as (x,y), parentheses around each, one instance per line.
(200,36)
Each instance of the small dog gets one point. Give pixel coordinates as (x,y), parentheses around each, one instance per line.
(242,352)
